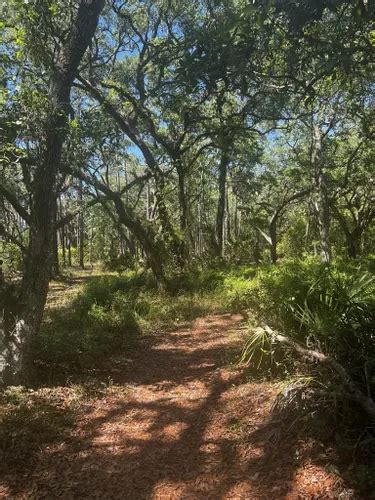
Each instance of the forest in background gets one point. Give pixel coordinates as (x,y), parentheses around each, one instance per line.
(195,156)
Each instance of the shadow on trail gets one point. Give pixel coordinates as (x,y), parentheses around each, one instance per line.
(167,436)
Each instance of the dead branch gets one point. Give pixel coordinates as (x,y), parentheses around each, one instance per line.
(366,403)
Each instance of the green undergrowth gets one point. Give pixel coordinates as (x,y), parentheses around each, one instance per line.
(110,313)
(327,308)
(330,309)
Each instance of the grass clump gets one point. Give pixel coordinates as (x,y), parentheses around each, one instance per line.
(108,315)
(110,312)
(87,329)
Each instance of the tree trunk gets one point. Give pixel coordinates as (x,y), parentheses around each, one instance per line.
(227,215)
(151,162)
(324,217)
(69,245)
(62,241)
(220,214)
(55,263)
(353,391)
(9,335)
(181,195)
(256,252)
(81,228)
(144,235)
(36,277)
(184,211)
(176,245)
(323,199)
(62,235)
(353,242)
(353,238)
(273,240)
(236,219)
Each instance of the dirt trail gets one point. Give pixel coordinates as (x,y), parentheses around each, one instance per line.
(186,426)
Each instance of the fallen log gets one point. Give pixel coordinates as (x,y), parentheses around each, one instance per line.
(366,402)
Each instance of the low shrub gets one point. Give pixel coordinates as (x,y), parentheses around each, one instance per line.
(327,308)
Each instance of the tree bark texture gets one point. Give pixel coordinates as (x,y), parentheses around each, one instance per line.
(36,277)
(220,214)
(323,205)
(81,227)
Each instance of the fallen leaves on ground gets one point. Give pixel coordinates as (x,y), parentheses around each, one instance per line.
(176,423)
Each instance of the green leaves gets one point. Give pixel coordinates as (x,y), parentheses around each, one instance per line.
(259,345)
(74,123)
(53,9)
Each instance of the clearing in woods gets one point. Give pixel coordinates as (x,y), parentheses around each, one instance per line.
(184,424)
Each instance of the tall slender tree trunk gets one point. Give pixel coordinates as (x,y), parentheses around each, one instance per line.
(273,240)
(220,214)
(353,246)
(35,282)
(228,217)
(91,246)
(69,246)
(184,210)
(55,261)
(62,243)
(182,195)
(256,252)
(324,217)
(81,228)
(236,219)
(61,233)
(148,201)
(323,206)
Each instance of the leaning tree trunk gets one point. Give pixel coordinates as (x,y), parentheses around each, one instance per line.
(153,251)
(176,245)
(144,233)
(160,188)
(271,238)
(36,277)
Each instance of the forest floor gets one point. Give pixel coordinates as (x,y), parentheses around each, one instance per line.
(178,420)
